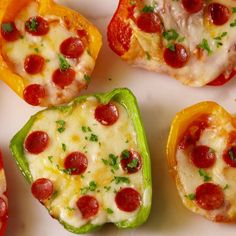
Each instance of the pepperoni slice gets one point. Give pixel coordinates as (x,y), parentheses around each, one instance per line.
(72,47)
(77,162)
(192,6)
(219,13)
(63,78)
(203,156)
(119,36)
(36,142)
(209,196)
(37,26)
(131,161)
(128,199)
(193,132)
(34,64)
(88,206)
(106,114)
(3,208)
(42,189)
(229,156)
(222,79)
(1,160)
(149,22)
(9,31)
(33,94)
(176,58)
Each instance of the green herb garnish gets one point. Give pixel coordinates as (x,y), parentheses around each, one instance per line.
(63,63)
(87,78)
(125,154)
(121,179)
(32,25)
(191,196)
(203,173)
(63,146)
(133,163)
(110,211)
(60,125)
(7,27)
(148,9)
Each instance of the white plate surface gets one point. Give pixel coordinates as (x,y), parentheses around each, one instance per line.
(160,97)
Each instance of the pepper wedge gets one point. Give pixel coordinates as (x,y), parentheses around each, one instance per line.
(126,99)
(8,12)
(220,128)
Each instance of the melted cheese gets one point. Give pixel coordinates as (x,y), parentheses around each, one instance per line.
(215,137)
(48,47)
(194,28)
(111,139)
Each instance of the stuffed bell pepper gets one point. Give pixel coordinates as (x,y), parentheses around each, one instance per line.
(88,162)
(47,51)
(201,153)
(193,41)
(3,199)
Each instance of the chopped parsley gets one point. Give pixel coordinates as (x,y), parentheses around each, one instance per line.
(110,211)
(93,138)
(171,46)
(148,8)
(87,78)
(50,158)
(125,154)
(233,24)
(60,125)
(219,39)
(92,187)
(36,50)
(63,63)
(121,179)
(112,161)
(204,174)
(226,187)
(191,196)
(107,188)
(86,129)
(234,9)
(170,35)
(7,27)
(205,46)
(70,209)
(231,154)
(32,25)
(63,146)
(133,163)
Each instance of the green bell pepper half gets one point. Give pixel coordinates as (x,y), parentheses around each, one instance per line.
(124,97)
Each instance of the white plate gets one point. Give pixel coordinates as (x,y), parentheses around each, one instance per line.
(160,97)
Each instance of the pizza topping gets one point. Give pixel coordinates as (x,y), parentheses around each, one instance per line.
(88,206)
(106,114)
(34,64)
(63,78)
(130,161)
(77,162)
(193,132)
(128,199)
(149,22)
(204,174)
(222,79)
(33,94)
(192,6)
(203,156)
(176,57)
(36,142)
(204,45)
(9,31)
(229,156)
(37,26)
(72,47)
(42,189)
(219,13)
(209,196)
(3,208)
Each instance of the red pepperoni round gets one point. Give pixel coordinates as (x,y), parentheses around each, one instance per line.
(128,199)
(63,78)
(34,64)
(88,206)
(9,31)
(193,132)
(209,196)
(3,208)
(36,142)
(219,13)
(176,58)
(42,189)
(33,94)
(37,26)
(1,160)
(77,162)
(203,156)
(222,79)
(72,47)
(131,161)
(106,114)
(229,156)
(192,6)
(149,22)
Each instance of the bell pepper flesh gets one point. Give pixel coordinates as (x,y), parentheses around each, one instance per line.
(127,100)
